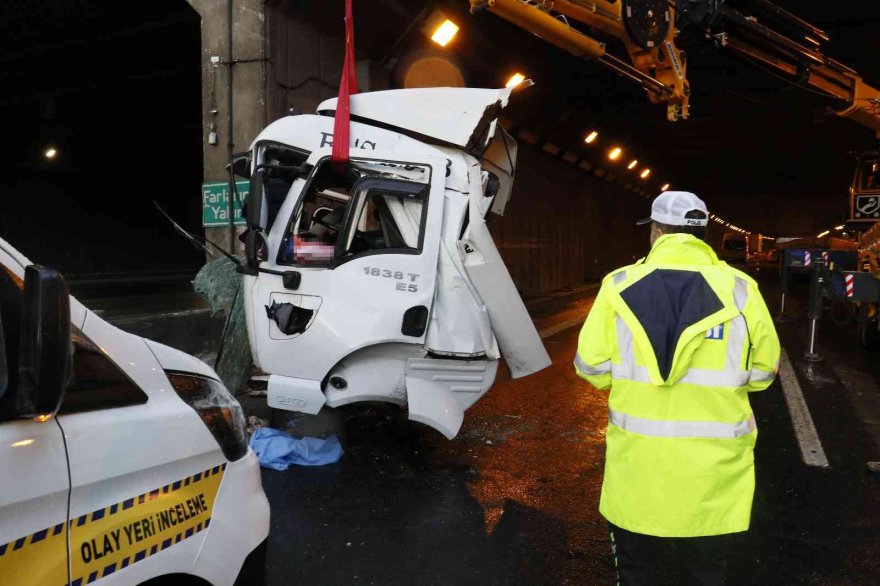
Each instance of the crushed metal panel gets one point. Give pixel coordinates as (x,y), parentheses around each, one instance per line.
(432,405)
(500,159)
(518,339)
(467,380)
(462,117)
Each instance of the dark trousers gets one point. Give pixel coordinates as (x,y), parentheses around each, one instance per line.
(639,559)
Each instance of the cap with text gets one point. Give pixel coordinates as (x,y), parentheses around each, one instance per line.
(671,207)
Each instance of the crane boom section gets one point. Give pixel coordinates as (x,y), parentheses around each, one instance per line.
(767,35)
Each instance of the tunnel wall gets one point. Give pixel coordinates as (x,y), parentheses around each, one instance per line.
(564,226)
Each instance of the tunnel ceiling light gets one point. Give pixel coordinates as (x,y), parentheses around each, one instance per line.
(515,80)
(645,173)
(839,227)
(824,234)
(591,137)
(665,187)
(444,33)
(632,164)
(50,153)
(615,153)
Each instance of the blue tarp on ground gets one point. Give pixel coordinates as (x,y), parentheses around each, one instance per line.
(278,450)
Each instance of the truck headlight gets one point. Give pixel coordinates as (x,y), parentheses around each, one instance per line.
(218,409)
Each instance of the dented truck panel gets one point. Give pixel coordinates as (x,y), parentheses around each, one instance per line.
(400,294)
(457,117)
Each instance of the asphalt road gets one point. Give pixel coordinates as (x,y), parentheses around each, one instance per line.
(513,499)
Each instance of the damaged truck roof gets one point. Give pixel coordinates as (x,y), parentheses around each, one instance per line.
(462,117)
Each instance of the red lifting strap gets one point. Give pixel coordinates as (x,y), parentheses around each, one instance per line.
(347,86)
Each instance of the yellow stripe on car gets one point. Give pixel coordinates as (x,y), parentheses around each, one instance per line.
(115,537)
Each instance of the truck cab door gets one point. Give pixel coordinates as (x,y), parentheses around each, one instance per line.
(351,262)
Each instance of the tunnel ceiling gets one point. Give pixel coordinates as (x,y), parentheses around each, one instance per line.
(764,154)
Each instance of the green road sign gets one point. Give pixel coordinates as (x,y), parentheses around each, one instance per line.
(215,203)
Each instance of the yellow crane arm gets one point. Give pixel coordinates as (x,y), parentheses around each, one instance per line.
(649,29)
(655,63)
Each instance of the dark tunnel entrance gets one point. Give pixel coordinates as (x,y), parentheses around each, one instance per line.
(101,117)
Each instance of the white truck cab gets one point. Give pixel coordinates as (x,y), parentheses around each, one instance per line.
(377,279)
(122,460)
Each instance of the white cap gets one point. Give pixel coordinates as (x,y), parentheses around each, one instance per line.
(671,207)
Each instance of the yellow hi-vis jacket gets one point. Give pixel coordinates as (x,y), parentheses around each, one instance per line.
(680,338)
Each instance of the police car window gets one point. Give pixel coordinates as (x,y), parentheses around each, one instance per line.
(11,287)
(97,382)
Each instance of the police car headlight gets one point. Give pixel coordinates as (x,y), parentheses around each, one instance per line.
(218,409)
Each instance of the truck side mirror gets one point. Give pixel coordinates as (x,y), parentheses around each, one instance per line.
(45,355)
(240,165)
(255,201)
(254,248)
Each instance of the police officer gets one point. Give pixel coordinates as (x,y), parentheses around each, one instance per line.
(680,338)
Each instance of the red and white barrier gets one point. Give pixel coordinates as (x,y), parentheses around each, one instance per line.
(850,284)
(808,258)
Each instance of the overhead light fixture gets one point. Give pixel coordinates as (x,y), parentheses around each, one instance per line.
(824,234)
(665,187)
(632,164)
(591,137)
(515,80)
(50,153)
(444,33)
(839,227)
(615,153)
(645,173)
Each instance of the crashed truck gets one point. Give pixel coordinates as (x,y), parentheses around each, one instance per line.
(377,279)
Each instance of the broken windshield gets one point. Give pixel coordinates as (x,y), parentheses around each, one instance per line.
(361,207)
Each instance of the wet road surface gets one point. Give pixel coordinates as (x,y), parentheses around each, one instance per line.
(513,499)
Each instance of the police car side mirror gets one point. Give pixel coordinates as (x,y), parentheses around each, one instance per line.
(46,350)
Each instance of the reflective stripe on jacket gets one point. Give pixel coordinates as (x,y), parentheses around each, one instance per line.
(680,338)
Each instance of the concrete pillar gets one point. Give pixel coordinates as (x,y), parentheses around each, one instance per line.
(233,71)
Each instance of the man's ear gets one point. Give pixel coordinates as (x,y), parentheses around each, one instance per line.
(656,232)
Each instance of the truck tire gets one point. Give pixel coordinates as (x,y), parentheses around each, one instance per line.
(869,335)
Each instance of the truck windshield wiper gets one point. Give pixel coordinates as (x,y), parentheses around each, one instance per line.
(199,242)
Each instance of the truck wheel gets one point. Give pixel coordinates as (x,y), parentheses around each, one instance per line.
(869,335)
(175,580)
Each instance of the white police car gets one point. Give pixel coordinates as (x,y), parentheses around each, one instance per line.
(122,461)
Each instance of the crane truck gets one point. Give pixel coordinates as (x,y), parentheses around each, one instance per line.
(653,33)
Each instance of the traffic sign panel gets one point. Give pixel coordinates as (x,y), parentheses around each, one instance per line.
(215,203)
